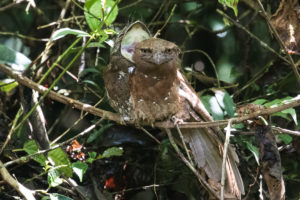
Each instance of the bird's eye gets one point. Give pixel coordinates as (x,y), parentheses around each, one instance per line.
(168,50)
(146,50)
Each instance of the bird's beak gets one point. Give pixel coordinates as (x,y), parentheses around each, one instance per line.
(158,58)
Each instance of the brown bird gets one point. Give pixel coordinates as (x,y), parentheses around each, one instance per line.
(159,92)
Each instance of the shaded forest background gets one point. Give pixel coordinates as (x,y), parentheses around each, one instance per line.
(229,48)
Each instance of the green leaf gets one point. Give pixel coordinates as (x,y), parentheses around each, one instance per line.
(96,44)
(231,4)
(113,151)
(54,178)
(225,101)
(260,101)
(31,147)
(61,160)
(213,107)
(16,60)
(253,150)
(96,134)
(292,113)
(92,157)
(285,113)
(97,11)
(8,84)
(55,196)
(67,31)
(79,168)
(287,139)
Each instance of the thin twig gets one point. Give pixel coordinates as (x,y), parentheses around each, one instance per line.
(281,43)
(283,130)
(25,192)
(74,124)
(130,5)
(58,97)
(11,130)
(226,143)
(25,37)
(167,21)
(263,44)
(11,5)
(60,21)
(115,117)
(209,59)
(257,76)
(184,145)
(252,184)
(25,158)
(150,135)
(235,120)
(190,166)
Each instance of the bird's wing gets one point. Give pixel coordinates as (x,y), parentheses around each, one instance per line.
(206,144)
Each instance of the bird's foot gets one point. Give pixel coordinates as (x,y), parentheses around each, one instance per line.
(176,120)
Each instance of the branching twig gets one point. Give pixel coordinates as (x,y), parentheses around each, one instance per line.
(25,158)
(190,166)
(263,44)
(283,130)
(209,59)
(281,43)
(235,120)
(25,192)
(25,37)
(114,117)
(167,21)
(11,5)
(11,131)
(150,135)
(226,143)
(184,145)
(58,97)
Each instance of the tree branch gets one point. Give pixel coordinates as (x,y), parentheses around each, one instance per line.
(115,117)
(25,192)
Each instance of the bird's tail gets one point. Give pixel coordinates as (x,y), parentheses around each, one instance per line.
(207,151)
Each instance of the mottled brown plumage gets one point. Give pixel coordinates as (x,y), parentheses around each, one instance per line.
(159,92)
(116,73)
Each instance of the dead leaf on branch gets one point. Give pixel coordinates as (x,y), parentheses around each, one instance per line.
(286,20)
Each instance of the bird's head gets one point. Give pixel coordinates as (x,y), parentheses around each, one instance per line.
(154,52)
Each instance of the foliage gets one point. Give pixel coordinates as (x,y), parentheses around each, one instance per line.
(227,67)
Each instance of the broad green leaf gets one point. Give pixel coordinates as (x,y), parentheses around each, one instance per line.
(31,147)
(67,31)
(90,82)
(285,113)
(79,168)
(113,151)
(225,101)
(96,11)
(96,44)
(16,60)
(8,84)
(231,4)
(54,178)
(292,113)
(287,139)
(260,101)
(277,102)
(61,160)
(213,107)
